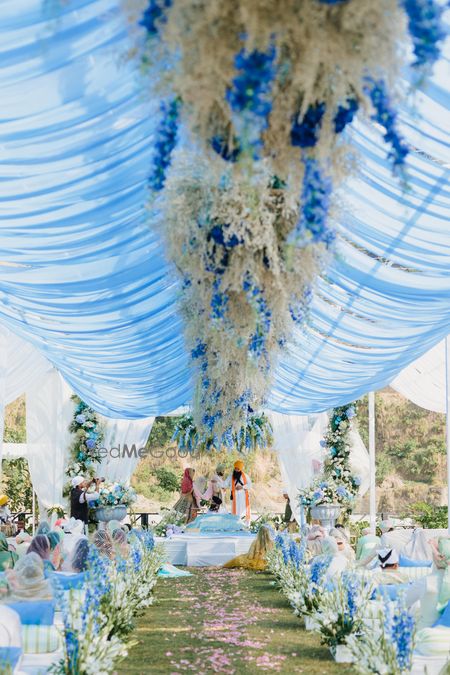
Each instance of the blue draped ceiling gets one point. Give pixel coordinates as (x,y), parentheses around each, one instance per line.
(83,277)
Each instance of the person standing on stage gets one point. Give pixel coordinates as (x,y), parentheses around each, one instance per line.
(240,483)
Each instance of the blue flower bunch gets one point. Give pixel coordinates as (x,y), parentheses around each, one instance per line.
(257,300)
(426,29)
(146,539)
(315,204)
(386,116)
(317,569)
(400,627)
(297,552)
(352,587)
(249,96)
(305,133)
(166,139)
(282,542)
(154,16)
(345,115)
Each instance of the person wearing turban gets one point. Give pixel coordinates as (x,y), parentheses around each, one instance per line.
(240,484)
(5,513)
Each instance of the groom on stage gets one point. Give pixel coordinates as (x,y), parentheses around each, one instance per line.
(240,484)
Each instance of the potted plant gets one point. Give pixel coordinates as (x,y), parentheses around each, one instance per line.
(325,499)
(113,501)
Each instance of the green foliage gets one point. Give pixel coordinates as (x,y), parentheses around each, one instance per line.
(162,432)
(15,430)
(17,484)
(167,480)
(428,516)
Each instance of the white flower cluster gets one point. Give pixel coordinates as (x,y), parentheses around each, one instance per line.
(98,620)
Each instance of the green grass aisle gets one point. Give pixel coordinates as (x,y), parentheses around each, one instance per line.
(224,621)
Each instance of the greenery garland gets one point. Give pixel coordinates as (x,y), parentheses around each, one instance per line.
(88,437)
(257,433)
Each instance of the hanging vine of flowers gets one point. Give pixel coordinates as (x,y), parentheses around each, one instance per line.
(265,94)
(337,484)
(86,444)
(257,434)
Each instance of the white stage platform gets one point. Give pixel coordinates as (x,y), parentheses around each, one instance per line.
(204,550)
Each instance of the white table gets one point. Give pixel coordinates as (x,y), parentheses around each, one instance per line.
(204,550)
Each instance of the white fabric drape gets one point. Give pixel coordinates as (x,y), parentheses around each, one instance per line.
(297,442)
(49,411)
(296,438)
(3,377)
(120,462)
(423,382)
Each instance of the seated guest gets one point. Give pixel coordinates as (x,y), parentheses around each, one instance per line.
(314,539)
(5,513)
(27,581)
(255,559)
(22,543)
(55,548)
(367,544)
(43,528)
(104,543)
(419,547)
(79,560)
(120,542)
(392,537)
(343,543)
(388,560)
(40,545)
(339,561)
(7,558)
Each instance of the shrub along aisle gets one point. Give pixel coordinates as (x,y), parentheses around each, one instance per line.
(224,621)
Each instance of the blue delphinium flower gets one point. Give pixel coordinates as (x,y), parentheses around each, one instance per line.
(345,114)
(426,29)
(222,147)
(400,625)
(154,15)
(352,592)
(315,204)
(199,350)
(249,97)
(305,133)
(387,117)
(166,139)
(318,567)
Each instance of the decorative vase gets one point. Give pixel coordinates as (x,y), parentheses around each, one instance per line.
(106,513)
(326,513)
(342,654)
(310,623)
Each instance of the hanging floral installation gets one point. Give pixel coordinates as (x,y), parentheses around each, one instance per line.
(88,436)
(337,484)
(263,94)
(257,434)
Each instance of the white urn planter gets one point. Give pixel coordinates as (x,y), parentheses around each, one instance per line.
(326,513)
(342,654)
(106,513)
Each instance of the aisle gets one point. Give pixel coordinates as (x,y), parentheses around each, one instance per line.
(224,621)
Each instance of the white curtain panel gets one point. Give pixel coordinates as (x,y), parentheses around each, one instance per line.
(120,461)
(48,415)
(297,438)
(297,441)
(423,382)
